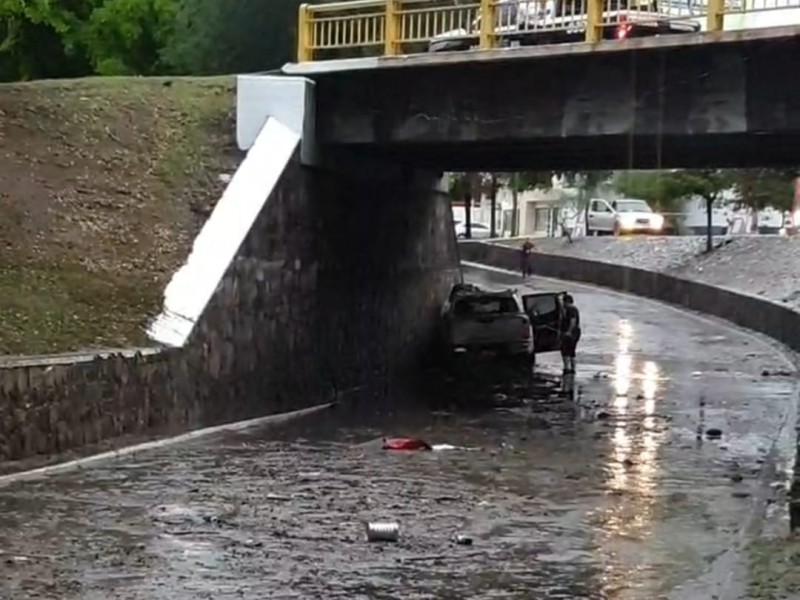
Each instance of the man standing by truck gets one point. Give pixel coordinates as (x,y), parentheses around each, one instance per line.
(570,333)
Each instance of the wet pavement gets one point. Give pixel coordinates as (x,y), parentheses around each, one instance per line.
(607,494)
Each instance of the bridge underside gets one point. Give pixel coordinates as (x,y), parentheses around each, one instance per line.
(716,104)
(593,152)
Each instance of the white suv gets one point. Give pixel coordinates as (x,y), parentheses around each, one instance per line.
(626,215)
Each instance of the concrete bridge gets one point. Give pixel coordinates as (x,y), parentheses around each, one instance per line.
(698,100)
(595,84)
(327,259)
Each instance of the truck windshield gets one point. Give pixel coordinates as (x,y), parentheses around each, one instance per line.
(482,305)
(632,206)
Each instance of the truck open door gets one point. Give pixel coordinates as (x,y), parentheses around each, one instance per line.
(544,311)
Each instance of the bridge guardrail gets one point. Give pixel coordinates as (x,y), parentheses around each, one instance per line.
(393,27)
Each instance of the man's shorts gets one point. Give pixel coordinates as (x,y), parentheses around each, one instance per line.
(569,343)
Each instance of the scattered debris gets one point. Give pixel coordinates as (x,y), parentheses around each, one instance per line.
(405,444)
(776,373)
(440,447)
(383,532)
(278,497)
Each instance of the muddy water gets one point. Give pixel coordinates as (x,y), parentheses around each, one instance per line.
(607,494)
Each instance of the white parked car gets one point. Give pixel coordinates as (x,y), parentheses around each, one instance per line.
(478,231)
(625,215)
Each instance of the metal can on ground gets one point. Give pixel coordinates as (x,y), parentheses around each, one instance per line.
(383,532)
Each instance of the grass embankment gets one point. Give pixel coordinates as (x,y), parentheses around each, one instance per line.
(103,185)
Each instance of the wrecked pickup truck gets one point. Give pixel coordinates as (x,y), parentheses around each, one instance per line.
(501,325)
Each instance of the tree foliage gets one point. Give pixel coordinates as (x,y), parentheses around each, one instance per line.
(127,37)
(755,188)
(759,188)
(668,190)
(43,38)
(73,38)
(213,37)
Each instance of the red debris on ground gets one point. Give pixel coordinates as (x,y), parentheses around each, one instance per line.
(403,443)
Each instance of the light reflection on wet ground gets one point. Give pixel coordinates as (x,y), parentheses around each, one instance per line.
(608,496)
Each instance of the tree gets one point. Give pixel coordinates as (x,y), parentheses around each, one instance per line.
(75,38)
(493,187)
(664,189)
(128,37)
(461,189)
(708,184)
(43,38)
(469,186)
(668,189)
(760,188)
(530,180)
(213,37)
(586,181)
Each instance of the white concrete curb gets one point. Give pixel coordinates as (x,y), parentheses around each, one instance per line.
(72,465)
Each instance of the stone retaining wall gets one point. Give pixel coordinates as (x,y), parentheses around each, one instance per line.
(338,284)
(757,314)
(52,409)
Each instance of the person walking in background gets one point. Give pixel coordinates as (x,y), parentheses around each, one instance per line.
(570,333)
(525,258)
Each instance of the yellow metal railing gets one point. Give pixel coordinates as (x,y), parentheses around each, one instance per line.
(391,27)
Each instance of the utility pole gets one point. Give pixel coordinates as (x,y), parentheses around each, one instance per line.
(468,215)
(514,205)
(493,206)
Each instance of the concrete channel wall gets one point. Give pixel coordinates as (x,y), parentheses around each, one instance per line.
(778,322)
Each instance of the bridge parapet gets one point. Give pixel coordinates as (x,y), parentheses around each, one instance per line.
(358,28)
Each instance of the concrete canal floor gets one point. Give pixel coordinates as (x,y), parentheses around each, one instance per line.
(607,494)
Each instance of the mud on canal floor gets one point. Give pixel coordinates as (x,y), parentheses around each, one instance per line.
(607,494)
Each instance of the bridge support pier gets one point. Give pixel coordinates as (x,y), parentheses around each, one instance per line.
(306,280)
(339,283)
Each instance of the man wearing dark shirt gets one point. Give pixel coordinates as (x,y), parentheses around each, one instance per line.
(525,258)
(570,333)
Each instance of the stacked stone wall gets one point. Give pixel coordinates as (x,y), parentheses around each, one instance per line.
(339,284)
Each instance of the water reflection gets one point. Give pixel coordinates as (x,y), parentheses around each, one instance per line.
(624,336)
(622,378)
(632,468)
(650,380)
(623,361)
